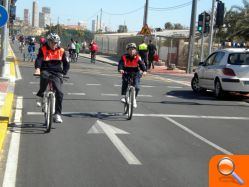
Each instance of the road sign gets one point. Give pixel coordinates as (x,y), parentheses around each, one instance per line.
(3,16)
(145,30)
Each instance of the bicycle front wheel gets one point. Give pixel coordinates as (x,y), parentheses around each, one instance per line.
(131,102)
(49,113)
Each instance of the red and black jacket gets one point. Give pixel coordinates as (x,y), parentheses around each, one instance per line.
(131,64)
(52,60)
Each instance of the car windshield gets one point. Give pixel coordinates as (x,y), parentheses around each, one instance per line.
(238,59)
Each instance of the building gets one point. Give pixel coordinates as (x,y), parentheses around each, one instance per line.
(35,18)
(41,20)
(26,17)
(93,25)
(47,15)
(122,28)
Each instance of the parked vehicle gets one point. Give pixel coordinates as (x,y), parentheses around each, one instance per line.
(225,70)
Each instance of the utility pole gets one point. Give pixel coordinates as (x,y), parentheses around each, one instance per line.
(191,45)
(211,29)
(146,12)
(4,42)
(100,20)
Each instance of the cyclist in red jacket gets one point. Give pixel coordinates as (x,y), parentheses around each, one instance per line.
(131,63)
(52,60)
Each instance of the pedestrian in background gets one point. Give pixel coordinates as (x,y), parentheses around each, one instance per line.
(143,52)
(84,44)
(77,48)
(151,53)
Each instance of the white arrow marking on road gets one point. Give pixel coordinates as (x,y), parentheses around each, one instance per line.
(110,131)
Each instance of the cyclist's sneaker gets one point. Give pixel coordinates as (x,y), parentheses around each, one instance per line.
(57,118)
(38,101)
(123,100)
(135,103)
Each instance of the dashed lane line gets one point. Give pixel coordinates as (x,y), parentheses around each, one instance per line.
(199,136)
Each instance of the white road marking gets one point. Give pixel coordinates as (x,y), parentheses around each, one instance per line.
(115,95)
(66,83)
(170,96)
(76,94)
(117,85)
(159,115)
(147,86)
(34,83)
(144,95)
(18,73)
(177,87)
(199,136)
(34,93)
(172,80)
(110,131)
(12,159)
(93,84)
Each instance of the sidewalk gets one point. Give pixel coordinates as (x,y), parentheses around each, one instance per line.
(158,69)
(6,95)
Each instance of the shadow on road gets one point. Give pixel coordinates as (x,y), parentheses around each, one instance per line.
(28,128)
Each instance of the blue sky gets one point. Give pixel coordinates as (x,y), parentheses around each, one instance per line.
(72,11)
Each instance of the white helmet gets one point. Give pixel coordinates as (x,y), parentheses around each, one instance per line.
(131,45)
(53,37)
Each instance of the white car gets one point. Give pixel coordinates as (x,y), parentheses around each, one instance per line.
(225,70)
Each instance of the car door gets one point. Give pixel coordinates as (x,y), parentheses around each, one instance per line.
(207,70)
(212,69)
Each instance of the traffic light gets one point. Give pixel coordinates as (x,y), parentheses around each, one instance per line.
(200,23)
(207,22)
(220,14)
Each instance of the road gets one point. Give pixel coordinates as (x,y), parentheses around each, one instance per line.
(169,141)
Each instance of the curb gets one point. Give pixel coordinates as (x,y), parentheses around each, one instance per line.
(6,108)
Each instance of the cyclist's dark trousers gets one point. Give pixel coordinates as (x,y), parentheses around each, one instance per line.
(93,56)
(125,84)
(57,85)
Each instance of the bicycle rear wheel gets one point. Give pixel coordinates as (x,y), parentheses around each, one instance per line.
(131,102)
(49,114)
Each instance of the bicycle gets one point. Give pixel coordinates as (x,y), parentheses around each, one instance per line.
(129,100)
(48,102)
(73,57)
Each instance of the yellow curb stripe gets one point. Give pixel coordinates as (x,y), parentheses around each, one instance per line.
(12,69)
(3,132)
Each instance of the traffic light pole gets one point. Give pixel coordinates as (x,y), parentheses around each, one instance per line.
(202,35)
(211,29)
(192,37)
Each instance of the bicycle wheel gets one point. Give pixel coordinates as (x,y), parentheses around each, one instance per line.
(126,106)
(49,113)
(131,102)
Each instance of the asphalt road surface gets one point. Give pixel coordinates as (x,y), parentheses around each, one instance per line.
(169,141)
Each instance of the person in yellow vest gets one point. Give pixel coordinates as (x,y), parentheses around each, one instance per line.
(143,52)
(52,61)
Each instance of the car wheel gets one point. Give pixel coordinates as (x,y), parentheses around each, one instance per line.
(195,85)
(218,90)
